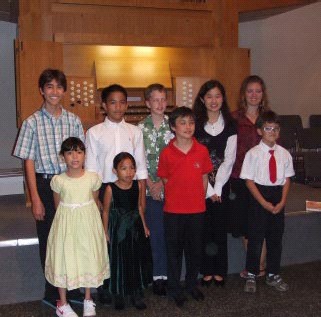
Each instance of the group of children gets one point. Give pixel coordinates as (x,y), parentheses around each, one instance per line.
(97,227)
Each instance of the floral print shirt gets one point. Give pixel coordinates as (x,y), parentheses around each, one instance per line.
(154,142)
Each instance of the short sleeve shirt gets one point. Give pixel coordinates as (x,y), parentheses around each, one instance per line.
(256,165)
(184,190)
(154,142)
(41,136)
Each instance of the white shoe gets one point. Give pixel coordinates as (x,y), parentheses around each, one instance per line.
(89,308)
(65,311)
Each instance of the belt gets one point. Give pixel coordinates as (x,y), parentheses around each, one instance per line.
(45,176)
(74,206)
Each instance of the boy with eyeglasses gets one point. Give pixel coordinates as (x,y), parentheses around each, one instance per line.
(267,169)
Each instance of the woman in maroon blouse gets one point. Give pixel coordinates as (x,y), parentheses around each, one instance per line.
(252,102)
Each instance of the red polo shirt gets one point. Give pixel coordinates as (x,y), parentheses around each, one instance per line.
(184,190)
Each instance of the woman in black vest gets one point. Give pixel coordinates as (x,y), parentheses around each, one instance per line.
(216,129)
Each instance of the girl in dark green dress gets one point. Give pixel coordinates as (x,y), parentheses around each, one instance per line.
(127,234)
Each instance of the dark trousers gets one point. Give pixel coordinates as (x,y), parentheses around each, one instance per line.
(155,222)
(43,229)
(264,225)
(239,208)
(214,260)
(183,232)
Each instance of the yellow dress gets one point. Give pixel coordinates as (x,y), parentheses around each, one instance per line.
(76,249)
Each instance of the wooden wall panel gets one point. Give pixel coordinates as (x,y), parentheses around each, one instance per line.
(131,26)
(172,4)
(32,57)
(232,66)
(253,5)
(35,20)
(130,40)
(225,23)
(79,59)
(121,3)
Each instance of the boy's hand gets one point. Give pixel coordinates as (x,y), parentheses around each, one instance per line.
(147,232)
(278,207)
(216,198)
(107,237)
(155,190)
(38,209)
(268,206)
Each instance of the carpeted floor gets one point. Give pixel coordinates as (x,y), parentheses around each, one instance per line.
(302,299)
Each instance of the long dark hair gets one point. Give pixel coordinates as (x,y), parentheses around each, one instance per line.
(199,106)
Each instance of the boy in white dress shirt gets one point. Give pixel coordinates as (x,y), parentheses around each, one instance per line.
(105,140)
(267,168)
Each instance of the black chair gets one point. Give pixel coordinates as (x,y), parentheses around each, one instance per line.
(290,127)
(315,120)
(291,121)
(312,168)
(310,139)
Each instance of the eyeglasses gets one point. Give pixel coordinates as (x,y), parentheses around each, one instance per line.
(270,129)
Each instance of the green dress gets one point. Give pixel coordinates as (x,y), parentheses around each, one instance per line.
(130,253)
(76,249)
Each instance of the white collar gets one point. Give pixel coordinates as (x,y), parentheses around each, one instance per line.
(112,123)
(218,124)
(266,148)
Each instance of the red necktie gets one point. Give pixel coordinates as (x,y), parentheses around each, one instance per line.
(272,167)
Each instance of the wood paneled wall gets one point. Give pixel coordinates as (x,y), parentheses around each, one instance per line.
(196,38)
(140,22)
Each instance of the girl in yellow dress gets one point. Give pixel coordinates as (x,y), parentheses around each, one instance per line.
(76,249)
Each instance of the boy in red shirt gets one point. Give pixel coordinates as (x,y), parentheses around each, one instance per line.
(183,167)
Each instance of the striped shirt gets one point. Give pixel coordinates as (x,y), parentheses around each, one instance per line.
(41,136)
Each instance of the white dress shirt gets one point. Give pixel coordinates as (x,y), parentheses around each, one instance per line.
(256,165)
(105,140)
(225,169)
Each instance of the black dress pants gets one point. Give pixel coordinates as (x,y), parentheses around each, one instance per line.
(183,233)
(43,229)
(265,225)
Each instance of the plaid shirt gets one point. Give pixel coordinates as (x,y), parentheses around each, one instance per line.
(41,136)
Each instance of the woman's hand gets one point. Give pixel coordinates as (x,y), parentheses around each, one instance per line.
(216,198)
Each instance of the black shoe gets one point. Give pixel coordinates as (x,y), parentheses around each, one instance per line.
(159,287)
(104,296)
(76,297)
(206,283)
(51,302)
(119,302)
(180,299)
(197,294)
(138,302)
(220,283)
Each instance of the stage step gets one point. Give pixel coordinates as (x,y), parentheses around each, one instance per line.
(22,277)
